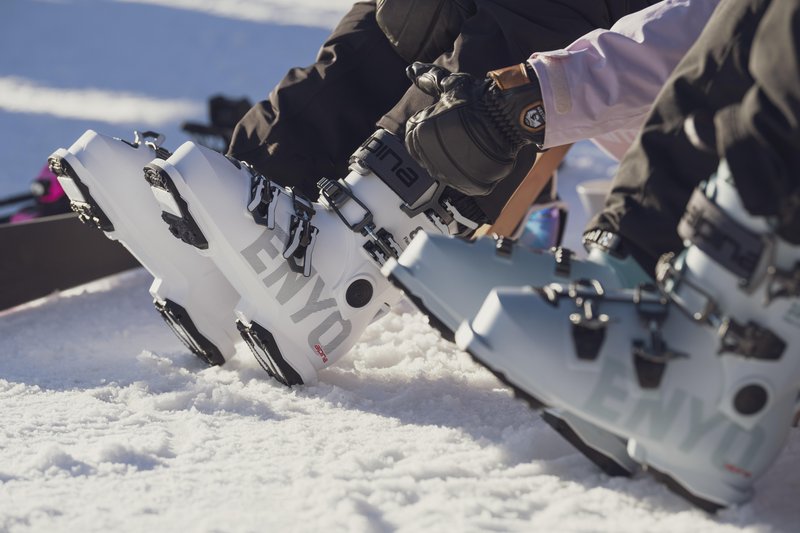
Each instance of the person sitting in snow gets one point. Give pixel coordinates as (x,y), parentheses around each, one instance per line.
(676,336)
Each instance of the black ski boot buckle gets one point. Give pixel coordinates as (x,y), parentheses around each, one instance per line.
(262,205)
(302,236)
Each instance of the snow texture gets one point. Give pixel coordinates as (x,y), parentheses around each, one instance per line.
(109,424)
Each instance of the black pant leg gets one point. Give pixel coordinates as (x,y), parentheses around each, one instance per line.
(318,115)
(659,172)
(760,136)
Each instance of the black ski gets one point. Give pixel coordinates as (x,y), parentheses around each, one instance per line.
(54,253)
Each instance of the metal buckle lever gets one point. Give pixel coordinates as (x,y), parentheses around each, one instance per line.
(782,283)
(302,237)
(262,205)
(381,245)
(696,303)
(458,217)
(750,341)
(299,249)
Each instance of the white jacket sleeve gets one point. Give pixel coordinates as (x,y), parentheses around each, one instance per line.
(602,86)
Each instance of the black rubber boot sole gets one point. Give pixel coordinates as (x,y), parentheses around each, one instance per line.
(675,486)
(604,462)
(265,349)
(183,227)
(179,321)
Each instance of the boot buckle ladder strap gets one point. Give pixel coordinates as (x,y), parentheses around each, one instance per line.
(336,194)
(749,340)
(589,325)
(650,357)
(694,301)
(381,245)
(302,236)
(385,155)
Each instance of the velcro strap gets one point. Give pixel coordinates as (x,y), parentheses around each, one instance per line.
(386,156)
(716,234)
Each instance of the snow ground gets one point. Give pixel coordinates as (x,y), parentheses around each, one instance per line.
(108,423)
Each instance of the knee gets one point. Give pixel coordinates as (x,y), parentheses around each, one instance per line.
(422,30)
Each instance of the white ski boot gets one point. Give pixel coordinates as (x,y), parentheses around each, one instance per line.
(308,272)
(700,376)
(103,178)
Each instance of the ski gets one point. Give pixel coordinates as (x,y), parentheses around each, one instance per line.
(54,253)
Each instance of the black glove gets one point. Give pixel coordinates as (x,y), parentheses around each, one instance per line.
(470,138)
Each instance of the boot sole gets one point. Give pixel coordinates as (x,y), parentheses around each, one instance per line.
(174,209)
(179,321)
(677,488)
(262,343)
(604,462)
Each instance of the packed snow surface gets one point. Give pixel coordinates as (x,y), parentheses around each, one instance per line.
(109,424)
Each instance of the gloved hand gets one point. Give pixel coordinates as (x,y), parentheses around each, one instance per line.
(470,137)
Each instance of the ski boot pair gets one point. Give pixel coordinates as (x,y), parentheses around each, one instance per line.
(697,375)
(298,280)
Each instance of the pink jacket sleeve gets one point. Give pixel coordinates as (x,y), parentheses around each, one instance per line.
(601,86)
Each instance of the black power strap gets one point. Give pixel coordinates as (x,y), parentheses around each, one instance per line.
(386,156)
(716,234)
